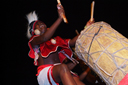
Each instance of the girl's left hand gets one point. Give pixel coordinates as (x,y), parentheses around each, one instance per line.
(90,22)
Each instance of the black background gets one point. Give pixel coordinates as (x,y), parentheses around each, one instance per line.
(18,68)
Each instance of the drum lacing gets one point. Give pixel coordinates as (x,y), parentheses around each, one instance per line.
(122,66)
(92,42)
(116,39)
(90,49)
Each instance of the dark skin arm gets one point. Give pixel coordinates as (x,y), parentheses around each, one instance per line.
(84,74)
(49,33)
(70,64)
(73,41)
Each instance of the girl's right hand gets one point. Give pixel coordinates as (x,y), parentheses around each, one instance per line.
(61,11)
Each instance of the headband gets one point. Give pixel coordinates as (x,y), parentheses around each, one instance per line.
(32,27)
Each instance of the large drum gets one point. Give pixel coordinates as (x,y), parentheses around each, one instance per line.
(105,51)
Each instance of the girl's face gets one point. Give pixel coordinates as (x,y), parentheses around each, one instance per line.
(41,27)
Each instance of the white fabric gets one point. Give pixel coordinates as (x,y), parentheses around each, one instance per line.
(43,77)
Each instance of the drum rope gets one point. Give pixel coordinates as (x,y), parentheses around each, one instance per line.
(92,42)
(103,70)
(90,49)
(105,51)
(123,65)
(115,38)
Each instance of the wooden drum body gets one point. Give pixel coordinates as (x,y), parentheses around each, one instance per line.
(105,50)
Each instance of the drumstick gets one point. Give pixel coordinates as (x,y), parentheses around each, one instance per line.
(63,16)
(58,1)
(92,10)
(77,32)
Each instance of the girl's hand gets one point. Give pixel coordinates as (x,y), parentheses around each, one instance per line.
(90,22)
(61,11)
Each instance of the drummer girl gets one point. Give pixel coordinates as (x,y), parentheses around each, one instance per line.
(46,52)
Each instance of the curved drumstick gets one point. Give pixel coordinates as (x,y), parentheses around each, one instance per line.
(63,16)
(92,10)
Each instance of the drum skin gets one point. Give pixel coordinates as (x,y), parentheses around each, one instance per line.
(105,51)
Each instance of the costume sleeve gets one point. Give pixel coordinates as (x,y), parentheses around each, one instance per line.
(67,42)
(31,52)
(65,51)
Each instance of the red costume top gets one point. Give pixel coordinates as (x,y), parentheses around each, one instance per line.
(51,46)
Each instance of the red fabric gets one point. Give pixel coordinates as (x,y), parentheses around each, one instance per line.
(31,52)
(48,47)
(34,27)
(74,74)
(124,81)
(42,67)
(53,77)
(49,75)
(61,57)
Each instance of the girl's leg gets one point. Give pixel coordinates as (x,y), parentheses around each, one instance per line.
(77,80)
(62,73)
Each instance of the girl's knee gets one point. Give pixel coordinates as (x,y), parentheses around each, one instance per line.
(64,68)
